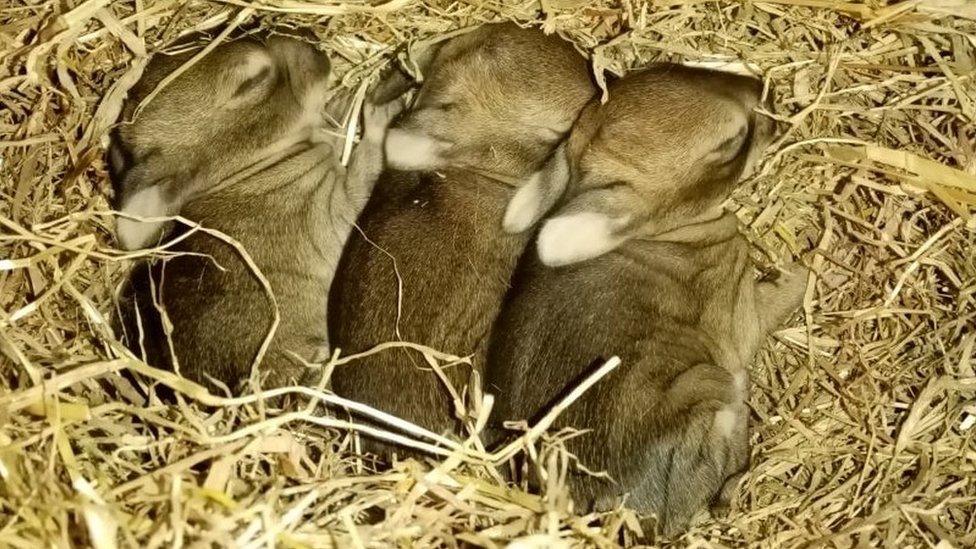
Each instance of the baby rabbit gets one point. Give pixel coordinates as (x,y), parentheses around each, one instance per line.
(641,262)
(235,143)
(494,106)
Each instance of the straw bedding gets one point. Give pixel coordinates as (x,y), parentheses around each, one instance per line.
(864,405)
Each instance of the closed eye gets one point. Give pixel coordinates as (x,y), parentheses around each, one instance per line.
(253,82)
(613,186)
(732,148)
(735,142)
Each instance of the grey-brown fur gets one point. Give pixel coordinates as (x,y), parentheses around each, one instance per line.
(246,100)
(670,290)
(495,104)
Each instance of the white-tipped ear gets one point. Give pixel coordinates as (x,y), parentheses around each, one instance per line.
(523,210)
(409,150)
(148,202)
(577,237)
(538,195)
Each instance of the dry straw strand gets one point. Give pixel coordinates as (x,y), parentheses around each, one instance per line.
(864,406)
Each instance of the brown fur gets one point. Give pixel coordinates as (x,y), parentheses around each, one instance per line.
(292,217)
(674,297)
(497,101)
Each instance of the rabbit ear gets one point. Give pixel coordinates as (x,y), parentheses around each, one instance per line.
(538,195)
(572,238)
(590,225)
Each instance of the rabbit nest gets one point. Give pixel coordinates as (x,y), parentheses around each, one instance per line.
(864,406)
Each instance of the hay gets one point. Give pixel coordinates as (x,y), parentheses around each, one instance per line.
(864,410)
